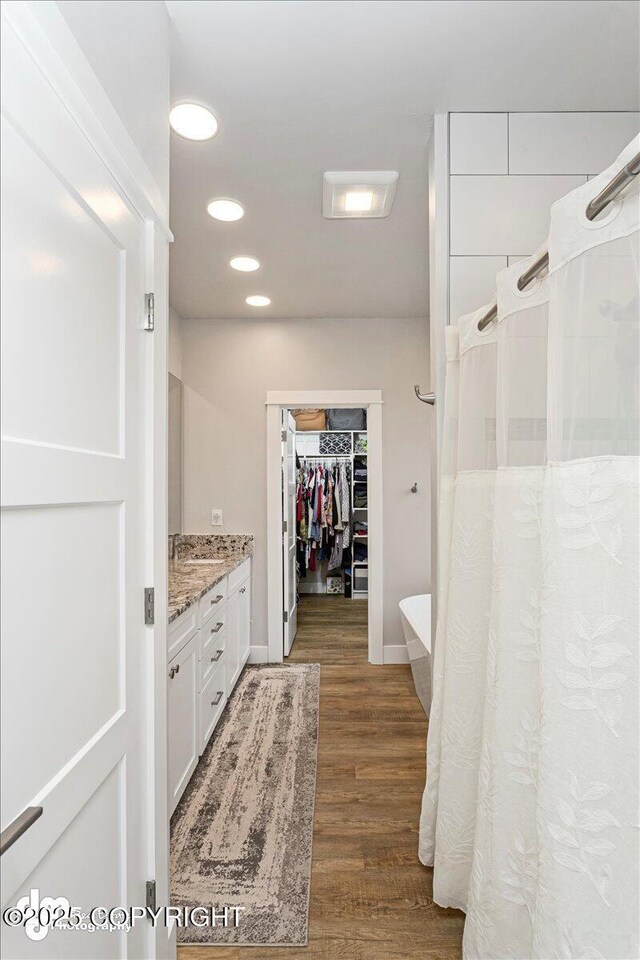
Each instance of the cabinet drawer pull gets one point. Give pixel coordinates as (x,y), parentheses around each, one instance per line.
(217,656)
(177,668)
(217,627)
(218,697)
(217,599)
(243,589)
(172,673)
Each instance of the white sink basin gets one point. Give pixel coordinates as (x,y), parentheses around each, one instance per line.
(201,563)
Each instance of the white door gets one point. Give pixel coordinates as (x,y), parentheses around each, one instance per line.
(75,533)
(289,487)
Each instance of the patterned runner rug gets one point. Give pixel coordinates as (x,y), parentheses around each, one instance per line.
(241,834)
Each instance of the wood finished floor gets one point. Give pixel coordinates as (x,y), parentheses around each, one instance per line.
(370,896)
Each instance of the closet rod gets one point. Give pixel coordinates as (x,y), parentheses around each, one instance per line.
(327,456)
(596,206)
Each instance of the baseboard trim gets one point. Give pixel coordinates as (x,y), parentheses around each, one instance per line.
(392,654)
(396,653)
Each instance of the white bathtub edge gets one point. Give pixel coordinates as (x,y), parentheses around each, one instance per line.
(415,612)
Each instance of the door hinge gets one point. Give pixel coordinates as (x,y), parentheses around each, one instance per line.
(285,526)
(285,617)
(149,605)
(150,312)
(284,435)
(151,895)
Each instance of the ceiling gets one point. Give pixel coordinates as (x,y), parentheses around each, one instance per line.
(304,86)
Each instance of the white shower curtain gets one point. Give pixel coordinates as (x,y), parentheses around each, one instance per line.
(530,812)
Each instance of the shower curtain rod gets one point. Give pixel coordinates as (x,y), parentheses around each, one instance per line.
(596,206)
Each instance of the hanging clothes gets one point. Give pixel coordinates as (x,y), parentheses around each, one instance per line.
(323,514)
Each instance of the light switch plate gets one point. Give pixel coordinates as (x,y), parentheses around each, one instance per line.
(216,518)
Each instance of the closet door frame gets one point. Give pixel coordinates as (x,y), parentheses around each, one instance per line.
(276,402)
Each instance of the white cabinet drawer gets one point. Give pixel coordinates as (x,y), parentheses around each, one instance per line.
(214,627)
(181,631)
(212,702)
(212,656)
(239,574)
(213,601)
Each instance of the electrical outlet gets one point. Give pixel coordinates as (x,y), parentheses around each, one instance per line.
(216,518)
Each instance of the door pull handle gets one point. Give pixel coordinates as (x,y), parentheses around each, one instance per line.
(18,826)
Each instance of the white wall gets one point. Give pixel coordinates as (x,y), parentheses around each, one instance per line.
(127,44)
(228,367)
(175,344)
(506,169)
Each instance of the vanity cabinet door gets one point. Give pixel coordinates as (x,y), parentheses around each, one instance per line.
(232,649)
(244,621)
(182,707)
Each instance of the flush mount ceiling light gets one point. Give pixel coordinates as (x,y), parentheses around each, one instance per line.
(358,201)
(245,264)
(227,210)
(193,121)
(358,193)
(258,301)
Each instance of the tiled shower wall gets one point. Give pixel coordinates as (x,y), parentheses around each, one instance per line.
(492,180)
(506,169)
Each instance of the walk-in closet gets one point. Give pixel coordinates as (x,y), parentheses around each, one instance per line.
(326,494)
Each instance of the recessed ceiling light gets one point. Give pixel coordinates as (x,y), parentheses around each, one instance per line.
(258,301)
(358,193)
(358,200)
(245,264)
(193,121)
(227,210)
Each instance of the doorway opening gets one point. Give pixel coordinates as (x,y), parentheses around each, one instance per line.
(324,492)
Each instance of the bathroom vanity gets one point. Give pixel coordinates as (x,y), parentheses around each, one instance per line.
(208,642)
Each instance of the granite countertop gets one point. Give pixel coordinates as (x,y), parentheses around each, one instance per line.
(187,582)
